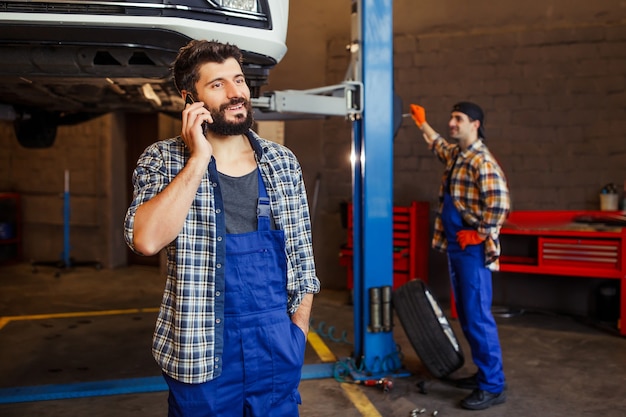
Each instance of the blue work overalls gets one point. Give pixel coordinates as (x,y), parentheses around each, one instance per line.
(471,282)
(263,349)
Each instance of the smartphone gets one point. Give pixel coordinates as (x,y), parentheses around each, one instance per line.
(190,100)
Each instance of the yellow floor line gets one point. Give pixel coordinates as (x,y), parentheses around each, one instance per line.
(360,400)
(352,391)
(320,348)
(6,320)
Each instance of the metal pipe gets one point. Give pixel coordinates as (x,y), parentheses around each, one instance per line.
(387,315)
(375,310)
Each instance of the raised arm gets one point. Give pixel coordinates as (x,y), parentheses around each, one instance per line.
(159,220)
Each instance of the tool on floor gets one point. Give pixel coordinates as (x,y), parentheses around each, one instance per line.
(347,371)
(417,411)
(385,383)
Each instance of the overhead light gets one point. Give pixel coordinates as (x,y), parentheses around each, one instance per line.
(149,94)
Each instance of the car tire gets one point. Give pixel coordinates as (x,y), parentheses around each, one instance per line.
(38,131)
(427,328)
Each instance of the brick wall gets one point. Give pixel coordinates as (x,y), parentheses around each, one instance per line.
(38,176)
(554,99)
(94,152)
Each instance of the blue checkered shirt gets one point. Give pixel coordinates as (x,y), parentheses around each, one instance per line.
(185,343)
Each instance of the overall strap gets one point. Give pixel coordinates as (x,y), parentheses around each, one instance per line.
(263,211)
(449,178)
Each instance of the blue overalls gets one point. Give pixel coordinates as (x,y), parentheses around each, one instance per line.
(263,349)
(471,282)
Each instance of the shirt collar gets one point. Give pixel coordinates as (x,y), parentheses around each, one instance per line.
(474,148)
(254,142)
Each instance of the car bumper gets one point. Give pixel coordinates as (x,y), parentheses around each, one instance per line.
(263,47)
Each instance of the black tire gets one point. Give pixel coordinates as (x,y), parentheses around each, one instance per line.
(427,329)
(37,132)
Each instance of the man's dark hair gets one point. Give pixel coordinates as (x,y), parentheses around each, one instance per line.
(197,52)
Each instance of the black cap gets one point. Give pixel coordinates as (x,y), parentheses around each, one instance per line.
(474,112)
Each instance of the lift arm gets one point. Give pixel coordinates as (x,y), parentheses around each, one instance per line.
(345,99)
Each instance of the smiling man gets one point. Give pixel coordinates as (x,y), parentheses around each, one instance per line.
(473,204)
(231,210)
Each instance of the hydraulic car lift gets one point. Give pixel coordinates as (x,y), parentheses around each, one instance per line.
(372,155)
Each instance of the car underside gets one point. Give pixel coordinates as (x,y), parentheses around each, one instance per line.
(68,72)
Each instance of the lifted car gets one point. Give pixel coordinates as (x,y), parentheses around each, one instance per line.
(67,61)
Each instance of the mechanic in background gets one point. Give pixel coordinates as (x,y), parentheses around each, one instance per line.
(474,202)
(231,210)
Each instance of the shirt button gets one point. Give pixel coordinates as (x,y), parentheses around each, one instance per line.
(217,293)
(218,211)
(219,238)
(218,265)
(218,321)
(217,359)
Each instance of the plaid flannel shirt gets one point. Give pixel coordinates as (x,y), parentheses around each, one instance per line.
(480,193)
(186,344)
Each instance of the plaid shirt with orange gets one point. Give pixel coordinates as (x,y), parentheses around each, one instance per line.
(479,190)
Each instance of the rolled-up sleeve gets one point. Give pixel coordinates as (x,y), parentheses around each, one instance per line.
(494,194)
(149,179)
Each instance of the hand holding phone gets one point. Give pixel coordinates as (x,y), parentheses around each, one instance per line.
(190,100)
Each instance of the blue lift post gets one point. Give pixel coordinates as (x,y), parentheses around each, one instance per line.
(375,350)
(66,221)
(66,262)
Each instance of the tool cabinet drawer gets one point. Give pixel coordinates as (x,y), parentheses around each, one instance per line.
(587,253)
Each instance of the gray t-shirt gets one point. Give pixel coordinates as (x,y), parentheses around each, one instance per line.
(240,195)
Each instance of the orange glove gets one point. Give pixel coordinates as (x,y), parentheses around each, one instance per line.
(418,114)
(468,237)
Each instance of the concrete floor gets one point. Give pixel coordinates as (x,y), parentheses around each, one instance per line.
(555,365)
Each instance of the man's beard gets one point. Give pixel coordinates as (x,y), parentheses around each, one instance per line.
(454,135)
(222,127)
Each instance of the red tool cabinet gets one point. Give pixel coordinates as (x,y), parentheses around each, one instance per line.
(590,244)
(410,244)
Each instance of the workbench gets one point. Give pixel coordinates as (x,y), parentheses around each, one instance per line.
(590,244)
